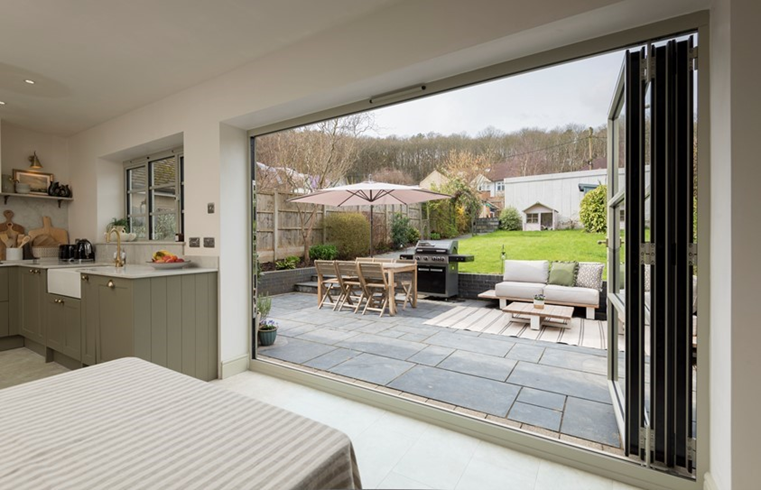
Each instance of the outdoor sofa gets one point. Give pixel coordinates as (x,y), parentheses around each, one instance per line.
(524,279)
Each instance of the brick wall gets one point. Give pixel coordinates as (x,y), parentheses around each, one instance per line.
(279,282)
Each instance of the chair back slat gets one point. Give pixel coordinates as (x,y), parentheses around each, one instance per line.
(372,272)
(325,268)
(346,270)
(363,259)
(384,261)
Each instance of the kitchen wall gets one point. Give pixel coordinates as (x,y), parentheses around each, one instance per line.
(16,145)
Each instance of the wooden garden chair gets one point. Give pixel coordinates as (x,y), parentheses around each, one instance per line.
(326,270)
(375,287)
(350,286)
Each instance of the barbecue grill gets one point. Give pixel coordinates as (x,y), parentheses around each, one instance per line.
(437,264)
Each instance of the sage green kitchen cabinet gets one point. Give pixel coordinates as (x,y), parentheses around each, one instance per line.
(89,318)
(167,320)
(63,329)
(33,287)
(5,315)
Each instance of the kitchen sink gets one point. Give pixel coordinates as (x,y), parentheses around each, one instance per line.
(65,282)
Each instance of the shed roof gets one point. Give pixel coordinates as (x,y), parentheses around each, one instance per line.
(537,206)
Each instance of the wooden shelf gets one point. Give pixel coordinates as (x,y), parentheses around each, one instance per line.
(6,195)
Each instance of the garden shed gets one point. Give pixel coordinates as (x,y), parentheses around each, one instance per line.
(539,217)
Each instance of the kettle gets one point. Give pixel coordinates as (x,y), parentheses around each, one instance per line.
(84,250)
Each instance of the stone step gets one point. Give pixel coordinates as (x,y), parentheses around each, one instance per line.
(306,287)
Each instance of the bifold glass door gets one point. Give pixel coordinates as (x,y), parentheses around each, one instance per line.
(651,253)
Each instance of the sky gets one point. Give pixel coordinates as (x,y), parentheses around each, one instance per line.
(577,92)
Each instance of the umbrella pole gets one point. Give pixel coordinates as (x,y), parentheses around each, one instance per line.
(371,230)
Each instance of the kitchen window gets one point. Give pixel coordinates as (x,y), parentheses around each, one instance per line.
(155,195)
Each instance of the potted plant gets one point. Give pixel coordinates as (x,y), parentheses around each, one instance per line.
(267,328)
(539,301)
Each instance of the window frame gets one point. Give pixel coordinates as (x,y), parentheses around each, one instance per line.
(149,189)
(532,218)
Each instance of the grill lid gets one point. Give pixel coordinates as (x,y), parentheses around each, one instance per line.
(448,247)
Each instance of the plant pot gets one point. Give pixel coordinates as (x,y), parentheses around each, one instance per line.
(267,337)
(539,304)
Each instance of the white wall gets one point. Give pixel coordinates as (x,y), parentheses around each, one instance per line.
(19,143)
(735,235)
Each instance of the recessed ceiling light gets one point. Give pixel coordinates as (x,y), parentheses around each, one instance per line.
(30,82)
(2,103)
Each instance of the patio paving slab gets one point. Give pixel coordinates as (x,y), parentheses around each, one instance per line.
(496,368)
(463,390)
(521,352)
(472,344)
(414,337)
(371,368)
(383,346)
(431,355)
(296,331)
(295,350)
(559,380)
(575,360)
(537,416)
(327,335)
(590,420)
(392,333)
(332,358)
(541,398)
(373,328)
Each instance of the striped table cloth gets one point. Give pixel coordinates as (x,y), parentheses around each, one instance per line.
(130,424)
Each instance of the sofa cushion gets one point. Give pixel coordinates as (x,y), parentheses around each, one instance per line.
(563,273)
(576,296)
(526,271)
(590,275)
(519,290)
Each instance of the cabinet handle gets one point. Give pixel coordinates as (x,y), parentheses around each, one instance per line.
(31,271)
(110,284)
(85,278)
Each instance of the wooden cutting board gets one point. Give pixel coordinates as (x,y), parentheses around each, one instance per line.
(58,235)
(10,227)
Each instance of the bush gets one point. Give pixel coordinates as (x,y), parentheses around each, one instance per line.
(413,235)
(435,236)
(263,306)
(350,233)
(510,219)
(400,230)
(323,252)
(593,210)
(289,262)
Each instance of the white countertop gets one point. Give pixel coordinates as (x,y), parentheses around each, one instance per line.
(133,271)
(129,271)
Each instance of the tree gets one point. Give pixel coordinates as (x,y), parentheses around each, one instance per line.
(313,157)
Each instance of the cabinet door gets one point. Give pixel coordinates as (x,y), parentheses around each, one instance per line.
(55,333)
(31,305)
(72,326)
(115,332)
(89,312)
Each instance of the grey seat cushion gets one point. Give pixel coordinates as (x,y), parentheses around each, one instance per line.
(576,296)
(536,271)
(519,290)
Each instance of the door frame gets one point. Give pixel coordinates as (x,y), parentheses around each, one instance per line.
(552,450)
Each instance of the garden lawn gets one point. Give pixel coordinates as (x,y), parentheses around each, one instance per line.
(570,245)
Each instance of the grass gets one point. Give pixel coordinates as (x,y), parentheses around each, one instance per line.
(570,245)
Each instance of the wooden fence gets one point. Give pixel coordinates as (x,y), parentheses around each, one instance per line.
(279,223)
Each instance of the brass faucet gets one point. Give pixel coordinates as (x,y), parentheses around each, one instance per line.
(118,261)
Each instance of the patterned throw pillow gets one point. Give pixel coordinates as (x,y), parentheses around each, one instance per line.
(590,275)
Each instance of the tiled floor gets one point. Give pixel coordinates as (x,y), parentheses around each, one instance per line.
(558,390)
(398,452)
(22,365)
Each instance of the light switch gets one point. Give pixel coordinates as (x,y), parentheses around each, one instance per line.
(195,242)
(210,208)
(208,242)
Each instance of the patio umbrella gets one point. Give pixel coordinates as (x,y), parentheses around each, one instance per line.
(372,193)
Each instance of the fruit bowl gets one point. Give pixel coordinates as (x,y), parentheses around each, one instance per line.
(168,265)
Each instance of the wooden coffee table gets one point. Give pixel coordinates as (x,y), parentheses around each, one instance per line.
(528,313)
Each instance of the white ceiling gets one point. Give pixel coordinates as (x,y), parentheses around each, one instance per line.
(96,59)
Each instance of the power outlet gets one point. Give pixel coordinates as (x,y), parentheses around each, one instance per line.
(208,242)
(210,208)
(195,242)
